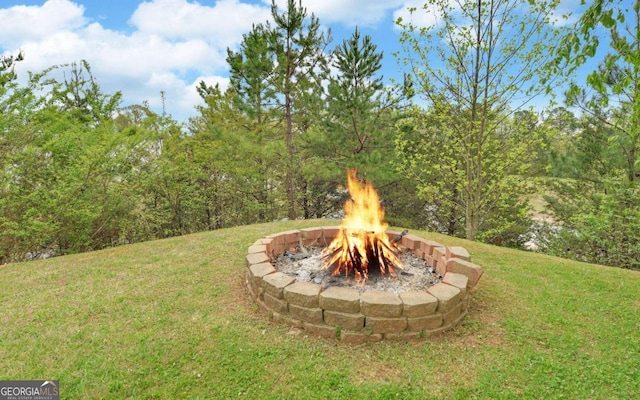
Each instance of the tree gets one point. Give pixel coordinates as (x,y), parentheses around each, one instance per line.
(299,69)
(478,64)
(598,206)
(594,207)
(356,129)
(437,183)
(559,127)
(7,68)
(360,111)
(80,94)
(256,116)
(426,143)
(59,183)
(238,160)
(614,97)
(251,70)
(354,99)
(277,78)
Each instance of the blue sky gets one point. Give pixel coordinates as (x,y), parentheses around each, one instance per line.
(144,47)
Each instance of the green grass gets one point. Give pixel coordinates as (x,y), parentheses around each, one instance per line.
(172,319)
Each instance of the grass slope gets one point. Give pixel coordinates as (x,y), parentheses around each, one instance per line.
(172,319)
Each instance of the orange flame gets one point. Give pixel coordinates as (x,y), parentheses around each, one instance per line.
(362,242)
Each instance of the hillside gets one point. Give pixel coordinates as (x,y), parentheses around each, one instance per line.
(172,319)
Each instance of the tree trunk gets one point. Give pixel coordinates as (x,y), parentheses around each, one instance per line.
(291,210)
(472,224)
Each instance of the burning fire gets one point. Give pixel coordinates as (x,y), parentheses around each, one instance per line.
(362,244)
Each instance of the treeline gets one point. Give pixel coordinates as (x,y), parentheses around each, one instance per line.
(452,148)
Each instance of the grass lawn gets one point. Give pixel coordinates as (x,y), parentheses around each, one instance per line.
(172,319)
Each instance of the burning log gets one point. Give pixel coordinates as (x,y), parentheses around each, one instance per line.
(375,255)
(296,256)
(399,237)
(362,245)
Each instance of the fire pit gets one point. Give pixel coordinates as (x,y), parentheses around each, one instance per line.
(362,248)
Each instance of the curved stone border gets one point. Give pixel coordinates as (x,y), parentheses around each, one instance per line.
(344,313)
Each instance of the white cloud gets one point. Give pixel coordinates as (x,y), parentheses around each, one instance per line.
(348,12)
(22,23)
(171,43)
(222,24)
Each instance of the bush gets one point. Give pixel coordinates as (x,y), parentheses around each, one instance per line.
(604,228)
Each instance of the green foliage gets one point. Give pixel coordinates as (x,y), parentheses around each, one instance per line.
(80,172)
(276,77)
(238,159)
(580,43)
(7,71)
(300,65)
(594,207)
(80,95)
(354,131)
(354,95)
(488,55)
(559,127)
(432,155)
(250,69)
(597,208)
(428,157)
(615,101)
(598,226)
(58,195)
(359,116)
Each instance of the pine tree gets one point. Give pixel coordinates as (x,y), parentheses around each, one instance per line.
(301,65)
(251,70)
(355,93)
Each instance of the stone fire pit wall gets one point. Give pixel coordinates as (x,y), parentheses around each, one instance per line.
(350,316)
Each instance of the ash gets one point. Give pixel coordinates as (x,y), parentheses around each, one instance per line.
(307,266)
